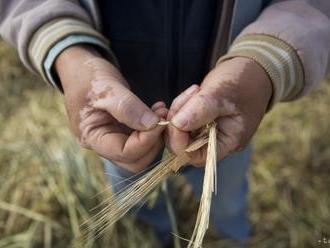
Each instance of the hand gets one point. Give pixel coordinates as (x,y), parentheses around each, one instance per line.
(104,114)
(235,94)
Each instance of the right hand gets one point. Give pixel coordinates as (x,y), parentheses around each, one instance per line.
(104,114)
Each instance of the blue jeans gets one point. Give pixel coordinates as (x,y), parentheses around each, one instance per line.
(229,206)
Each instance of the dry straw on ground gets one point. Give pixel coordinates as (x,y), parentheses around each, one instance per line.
(43,171)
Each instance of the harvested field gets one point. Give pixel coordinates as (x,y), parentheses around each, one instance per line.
(48,184)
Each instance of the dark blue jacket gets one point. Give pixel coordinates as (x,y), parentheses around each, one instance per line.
(163,46)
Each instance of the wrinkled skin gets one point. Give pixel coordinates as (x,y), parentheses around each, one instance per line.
(104,114)
(235,94)
(109,119)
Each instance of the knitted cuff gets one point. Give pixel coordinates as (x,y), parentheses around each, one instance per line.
(279,59)
(52,33)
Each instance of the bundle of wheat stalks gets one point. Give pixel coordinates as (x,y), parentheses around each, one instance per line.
(119,204)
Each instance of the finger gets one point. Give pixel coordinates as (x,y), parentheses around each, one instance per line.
(106,143)
(158,105)
(162,113)
(198,158)
(199,110)
(105,147)
(144,161)
(160,109)
(226,145)
(125,107)
(177,140)
(121,147)
(215,98)
(180,100)
(139,142)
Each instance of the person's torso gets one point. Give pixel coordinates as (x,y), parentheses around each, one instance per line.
(162,46)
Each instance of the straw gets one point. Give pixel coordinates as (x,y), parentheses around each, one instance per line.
(119,204)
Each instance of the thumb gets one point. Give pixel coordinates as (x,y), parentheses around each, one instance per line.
(126,108)
(201,109)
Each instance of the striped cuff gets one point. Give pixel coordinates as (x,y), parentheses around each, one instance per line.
(52,38)
(57,49)
(279,60)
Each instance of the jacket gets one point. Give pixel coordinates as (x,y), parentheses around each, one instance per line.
(290,39)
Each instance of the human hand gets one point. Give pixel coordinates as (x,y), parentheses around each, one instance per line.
(104,114)
(235,94)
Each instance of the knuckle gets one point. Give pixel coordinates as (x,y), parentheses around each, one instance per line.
(175,103)
(82,140)
(124,107)
(232,143)
(206,104)
(202,101)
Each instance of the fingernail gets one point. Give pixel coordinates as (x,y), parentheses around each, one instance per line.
(179,120)
(149,119)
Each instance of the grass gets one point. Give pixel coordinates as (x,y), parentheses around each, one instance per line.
(48,184)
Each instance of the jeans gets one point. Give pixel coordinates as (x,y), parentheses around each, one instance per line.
(229,206)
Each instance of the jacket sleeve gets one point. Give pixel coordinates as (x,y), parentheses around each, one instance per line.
(291,41)
(34,27)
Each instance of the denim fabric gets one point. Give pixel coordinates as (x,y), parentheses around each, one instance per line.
(229,206)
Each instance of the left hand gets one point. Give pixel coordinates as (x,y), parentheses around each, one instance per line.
(235,94)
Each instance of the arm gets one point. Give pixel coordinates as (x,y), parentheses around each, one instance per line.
(291,41)
(25,24)
(279,57)
(57,39)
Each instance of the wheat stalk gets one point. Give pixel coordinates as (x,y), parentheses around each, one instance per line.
(209,187)
(119,204)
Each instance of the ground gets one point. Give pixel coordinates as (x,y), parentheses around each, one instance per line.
(48,184)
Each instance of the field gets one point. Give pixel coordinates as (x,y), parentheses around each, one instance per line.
(48,184)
